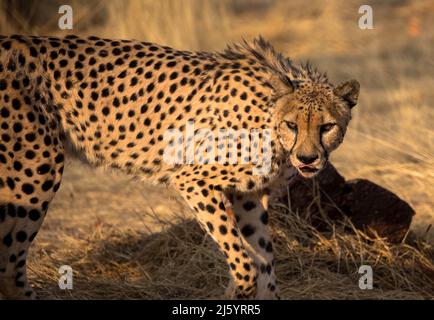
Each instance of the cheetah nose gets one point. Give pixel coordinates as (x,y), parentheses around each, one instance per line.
(307,159)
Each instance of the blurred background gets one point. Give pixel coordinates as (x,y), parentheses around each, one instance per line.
(391,138)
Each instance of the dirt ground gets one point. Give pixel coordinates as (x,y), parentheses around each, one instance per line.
(125,239)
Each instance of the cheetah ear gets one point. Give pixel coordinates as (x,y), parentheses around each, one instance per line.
(281,85)
(349,91)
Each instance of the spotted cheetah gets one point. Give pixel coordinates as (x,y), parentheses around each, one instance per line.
(113,102)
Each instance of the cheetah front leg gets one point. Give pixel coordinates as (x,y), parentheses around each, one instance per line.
(214,213)
(251,211)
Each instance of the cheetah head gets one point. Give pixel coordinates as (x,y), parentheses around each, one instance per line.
(311,120)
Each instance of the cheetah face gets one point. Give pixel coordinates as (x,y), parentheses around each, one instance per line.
(312,121)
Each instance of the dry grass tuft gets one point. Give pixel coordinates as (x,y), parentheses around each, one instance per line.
(177,262)
(313,265)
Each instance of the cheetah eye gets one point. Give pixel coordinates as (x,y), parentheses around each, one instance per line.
(327,127)
(291,125)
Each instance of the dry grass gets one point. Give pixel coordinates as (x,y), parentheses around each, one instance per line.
(105,226)
(179,261)
(325,266)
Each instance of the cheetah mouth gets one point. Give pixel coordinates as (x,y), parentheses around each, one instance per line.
(308,169)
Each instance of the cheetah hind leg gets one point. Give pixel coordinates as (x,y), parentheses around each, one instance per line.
(18,228)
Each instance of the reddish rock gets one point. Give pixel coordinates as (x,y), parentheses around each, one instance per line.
(370,207)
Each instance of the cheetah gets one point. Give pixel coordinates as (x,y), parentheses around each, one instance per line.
(113,102)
